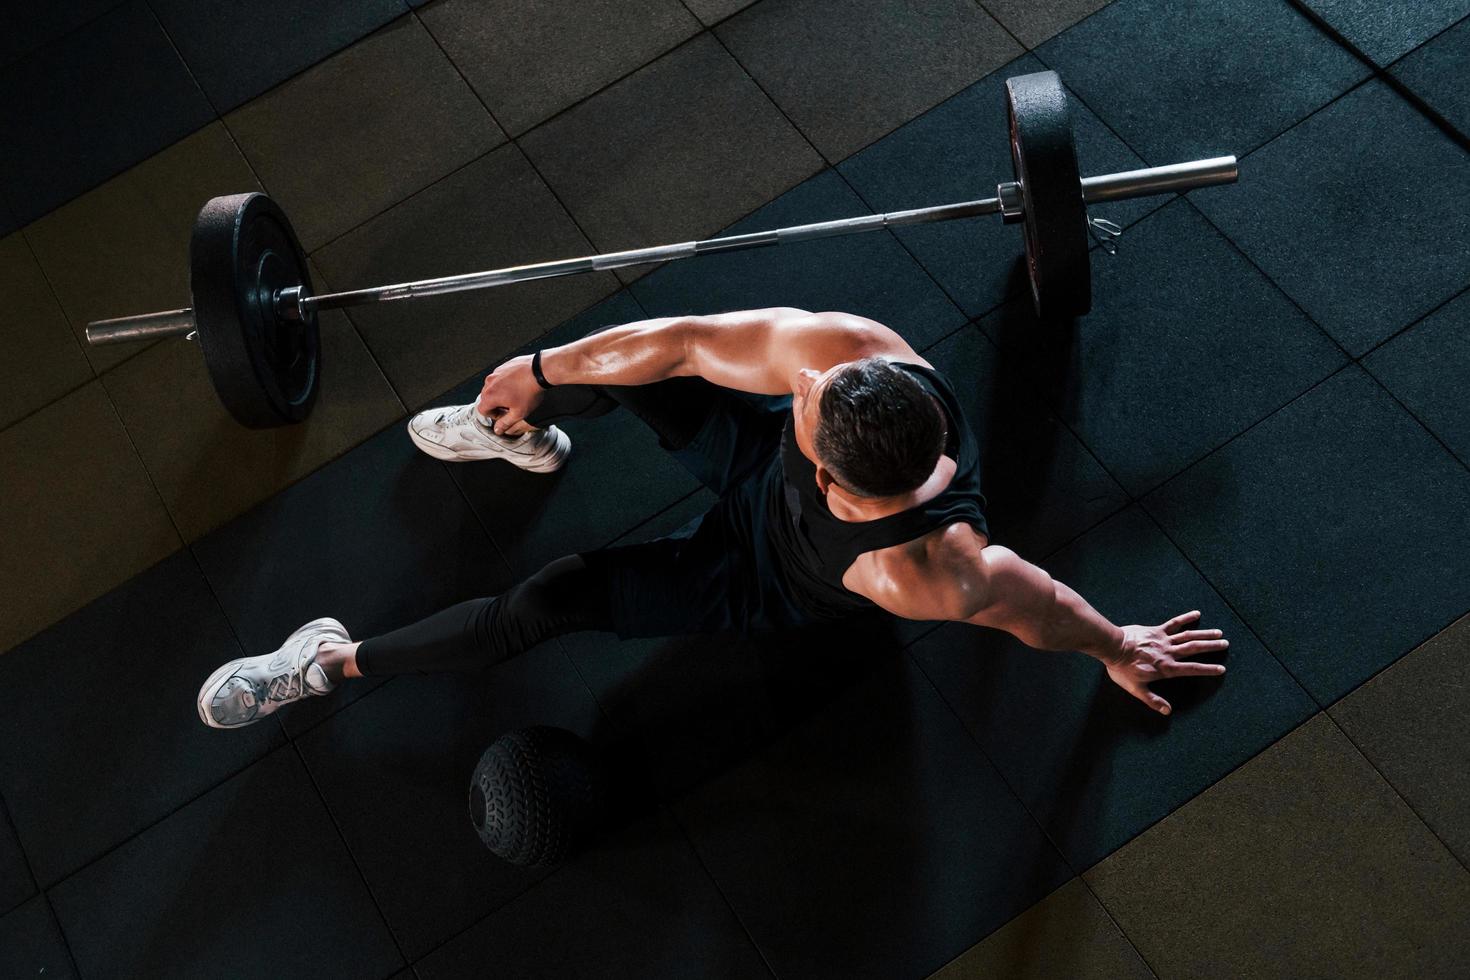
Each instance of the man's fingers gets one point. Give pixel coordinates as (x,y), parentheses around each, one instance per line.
(1193,670)
(1190,635)
(1182,620)
(1151,699)
(1198,647)
(505,422)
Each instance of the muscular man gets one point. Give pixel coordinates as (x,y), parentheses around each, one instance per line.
(847,478)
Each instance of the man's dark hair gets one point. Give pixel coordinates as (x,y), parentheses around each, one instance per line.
(878,430)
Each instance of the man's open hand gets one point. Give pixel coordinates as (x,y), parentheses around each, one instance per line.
(1150,653)
(510,393)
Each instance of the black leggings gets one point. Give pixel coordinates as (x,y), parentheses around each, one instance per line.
(638,590)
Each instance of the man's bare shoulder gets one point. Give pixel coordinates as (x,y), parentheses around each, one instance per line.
(938,576)
(840,336)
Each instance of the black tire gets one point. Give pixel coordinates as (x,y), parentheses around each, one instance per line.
(536,796)
(1045,160)
(264,367)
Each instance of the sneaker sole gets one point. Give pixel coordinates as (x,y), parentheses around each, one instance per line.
(549,463)
(206,692)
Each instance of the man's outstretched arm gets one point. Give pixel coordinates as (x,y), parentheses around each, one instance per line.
(1025,601)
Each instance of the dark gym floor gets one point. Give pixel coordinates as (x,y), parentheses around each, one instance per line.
(1264,418)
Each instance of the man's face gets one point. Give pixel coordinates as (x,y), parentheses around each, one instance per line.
(805,406)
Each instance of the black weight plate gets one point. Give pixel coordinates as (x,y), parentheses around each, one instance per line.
(264,367)
(1055,224)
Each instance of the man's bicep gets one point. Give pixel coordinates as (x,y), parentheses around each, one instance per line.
(1010,592)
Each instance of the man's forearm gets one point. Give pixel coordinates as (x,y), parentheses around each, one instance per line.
(637,353)
(1044,613)
(1075,625)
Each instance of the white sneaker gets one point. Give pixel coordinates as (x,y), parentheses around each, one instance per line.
(244,691)
(457,434)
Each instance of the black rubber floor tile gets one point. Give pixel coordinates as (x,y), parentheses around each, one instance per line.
(1042,488)
(868,274)
(1301,863)
(848,71)
(1436,73)
(617,475)
(24,27)
(880,829)
(1034,21)
(250,880)
(1426,367)
(123,248)
(693,707)
(1279,520)
(1413,723)
(8,222)
(1361,272)
(1186,346)
(42,359)
(495,212)
(1091,762)
(959,151)
(395,771)
(209,468)
(1067,934)
(530,60)
(1387,31)
(377,539)
(363,130)
(31,945)
(90,754)
(16,882)
(83,110)
(78,514)
(1181,81)
(674,151)
(237,51)
(641,906)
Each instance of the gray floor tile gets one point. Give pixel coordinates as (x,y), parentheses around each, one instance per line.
(31,945)
(849,71)
(42,358)
(1301,863)
(1436,73)
(495,212)
(207,466)
(1298,212)
(1177,296)
(1067,934)
(82,110)
(1336,528)
(395,768)
(16,882)
(1413,723)
(878,818)
(90,754)
(123,248)
(1180,81)
(646,882)
(78,514)
(959,151)
(1093,764)
(250,879)
(530,60)
(27,26)
(712,11)
(1034,21)
(1426,367)
(1386,31)
(363,130)
(675,151)
(238,50)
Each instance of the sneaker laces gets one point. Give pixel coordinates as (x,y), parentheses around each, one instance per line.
(457,416)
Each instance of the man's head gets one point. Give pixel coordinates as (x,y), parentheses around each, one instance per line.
(874,429)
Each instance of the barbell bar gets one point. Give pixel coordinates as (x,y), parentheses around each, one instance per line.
(255,314)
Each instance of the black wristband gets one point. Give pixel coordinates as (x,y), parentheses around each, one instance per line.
(536,370)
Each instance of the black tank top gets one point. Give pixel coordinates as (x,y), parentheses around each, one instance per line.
(813,548)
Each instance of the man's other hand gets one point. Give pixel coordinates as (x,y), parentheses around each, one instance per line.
(1150,653)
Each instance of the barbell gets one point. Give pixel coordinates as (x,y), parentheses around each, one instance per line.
(255,314)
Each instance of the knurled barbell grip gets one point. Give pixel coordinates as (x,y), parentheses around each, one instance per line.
(292,304)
